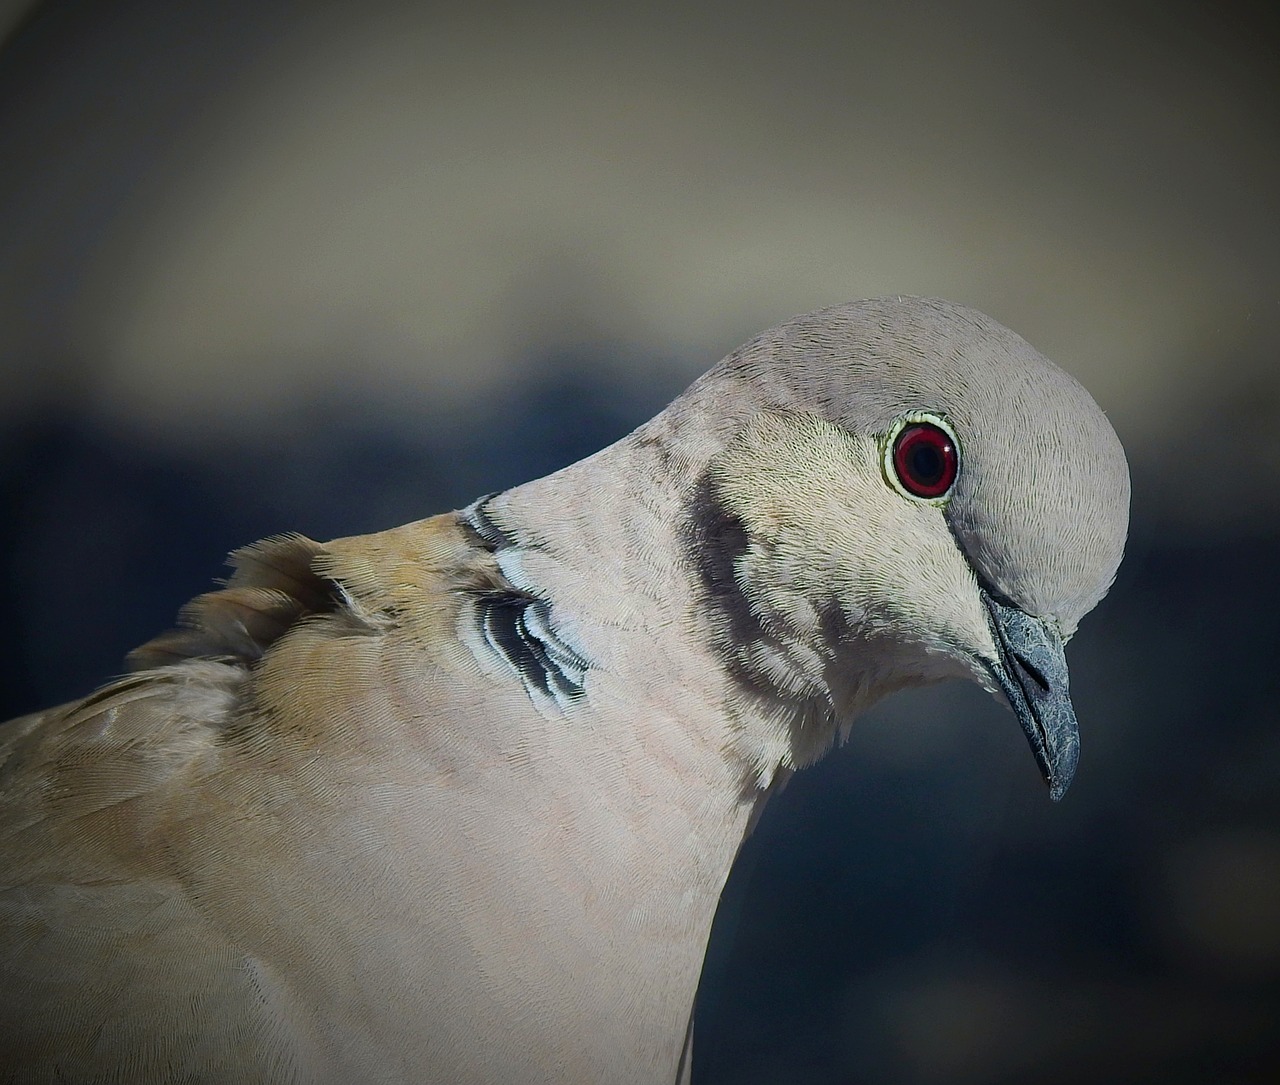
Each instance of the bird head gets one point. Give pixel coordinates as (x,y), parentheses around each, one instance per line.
(915,494)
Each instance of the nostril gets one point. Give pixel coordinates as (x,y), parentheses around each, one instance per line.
(1035,672)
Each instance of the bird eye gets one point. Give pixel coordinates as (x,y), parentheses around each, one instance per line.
(924,458)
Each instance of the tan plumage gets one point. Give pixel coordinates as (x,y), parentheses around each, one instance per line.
(261,811)
(454,802)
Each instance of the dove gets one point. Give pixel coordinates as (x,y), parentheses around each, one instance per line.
(454,802)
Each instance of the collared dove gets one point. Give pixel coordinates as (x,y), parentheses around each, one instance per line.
(454,802)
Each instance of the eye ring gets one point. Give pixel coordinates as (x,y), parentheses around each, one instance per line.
(922,457)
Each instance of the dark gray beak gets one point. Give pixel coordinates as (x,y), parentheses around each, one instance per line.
(1032,674)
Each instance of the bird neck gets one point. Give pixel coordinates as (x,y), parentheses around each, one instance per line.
(636,566)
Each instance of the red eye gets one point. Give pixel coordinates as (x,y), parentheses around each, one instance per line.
(925,460)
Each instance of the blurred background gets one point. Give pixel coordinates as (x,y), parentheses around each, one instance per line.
(270,265)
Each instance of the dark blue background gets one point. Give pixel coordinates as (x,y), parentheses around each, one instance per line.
(913,909)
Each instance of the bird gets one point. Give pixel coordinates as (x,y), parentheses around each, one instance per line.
(454,802)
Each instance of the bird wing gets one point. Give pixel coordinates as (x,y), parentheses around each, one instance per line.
(150,830)
(325,833)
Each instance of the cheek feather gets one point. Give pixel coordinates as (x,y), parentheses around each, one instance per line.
(827,536)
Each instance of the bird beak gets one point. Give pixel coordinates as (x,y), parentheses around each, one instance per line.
(1031,672)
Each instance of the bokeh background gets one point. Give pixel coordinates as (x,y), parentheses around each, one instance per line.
(329,267)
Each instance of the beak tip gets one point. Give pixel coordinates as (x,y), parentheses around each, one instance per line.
(1060,776)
